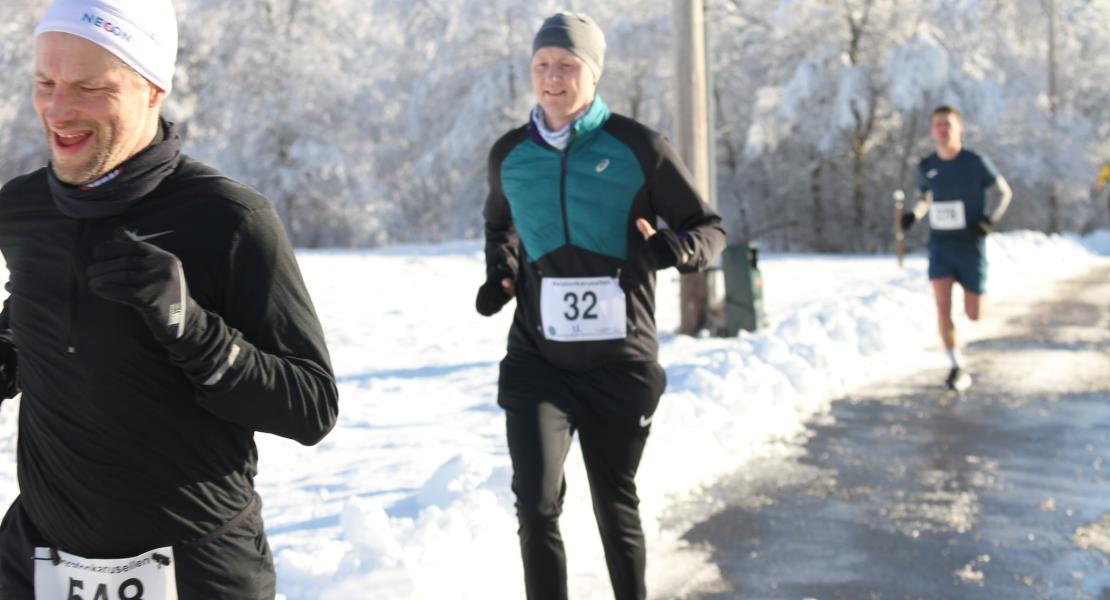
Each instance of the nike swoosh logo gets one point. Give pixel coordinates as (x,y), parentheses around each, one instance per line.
(645,420)
(150,236)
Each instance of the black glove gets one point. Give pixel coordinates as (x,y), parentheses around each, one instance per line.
(491,297)
(908,219)
(145,277)
(9,370)
(984,226)
(666,248)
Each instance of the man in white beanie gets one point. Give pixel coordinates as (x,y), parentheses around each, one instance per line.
(574,197)
(156,319)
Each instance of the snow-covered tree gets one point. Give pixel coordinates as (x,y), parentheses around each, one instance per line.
(370,122)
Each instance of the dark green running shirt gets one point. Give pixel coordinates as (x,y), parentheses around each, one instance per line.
(959,193)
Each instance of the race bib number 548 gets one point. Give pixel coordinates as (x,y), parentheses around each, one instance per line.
(582,309)
(149,576)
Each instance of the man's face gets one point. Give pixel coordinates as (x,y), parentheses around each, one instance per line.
(947,130)
(95,110)
(563,84)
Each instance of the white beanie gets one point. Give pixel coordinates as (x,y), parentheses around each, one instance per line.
(142,33)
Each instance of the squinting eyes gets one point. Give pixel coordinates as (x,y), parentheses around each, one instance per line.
(545,66)
(86,89)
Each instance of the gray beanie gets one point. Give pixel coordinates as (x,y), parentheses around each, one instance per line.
(576,32)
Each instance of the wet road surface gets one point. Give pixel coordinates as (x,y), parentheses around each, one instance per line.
(909,491)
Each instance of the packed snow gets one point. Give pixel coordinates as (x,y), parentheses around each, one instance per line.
(409,496)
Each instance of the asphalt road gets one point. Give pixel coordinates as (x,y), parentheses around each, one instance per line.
(910,491)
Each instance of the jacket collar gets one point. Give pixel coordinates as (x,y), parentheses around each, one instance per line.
(582,130)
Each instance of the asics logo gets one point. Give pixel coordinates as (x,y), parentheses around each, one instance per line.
(601,166)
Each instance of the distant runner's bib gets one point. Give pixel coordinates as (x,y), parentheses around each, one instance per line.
(583,309)
(148,576)
(948,216)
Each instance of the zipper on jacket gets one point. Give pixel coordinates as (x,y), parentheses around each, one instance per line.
(563,187)
(563,198)
(74,290)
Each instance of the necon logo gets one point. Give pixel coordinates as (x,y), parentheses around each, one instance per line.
(108,26)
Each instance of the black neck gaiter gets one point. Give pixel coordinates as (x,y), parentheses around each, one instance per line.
(122,187)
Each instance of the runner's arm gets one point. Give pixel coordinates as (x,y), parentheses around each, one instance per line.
(924,202)
(260,360)
(1003,194)
(502,241)
(697,228)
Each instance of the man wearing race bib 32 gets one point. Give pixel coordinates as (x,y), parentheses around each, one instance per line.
(156,319)
(954,182)
(574,196)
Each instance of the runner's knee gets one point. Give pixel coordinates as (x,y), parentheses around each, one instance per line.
(944,319)
(534,503)
(537,517)
(617,516)
(973,308)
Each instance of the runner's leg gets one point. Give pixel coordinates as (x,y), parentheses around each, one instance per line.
(539,429)
(972,304)
(942,292)
(615,407)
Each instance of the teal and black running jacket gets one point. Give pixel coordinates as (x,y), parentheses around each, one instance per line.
(573,213)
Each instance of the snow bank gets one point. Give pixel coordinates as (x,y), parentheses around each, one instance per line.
(424,437)
(1097,242)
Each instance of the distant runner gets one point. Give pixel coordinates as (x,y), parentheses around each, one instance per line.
(953,182)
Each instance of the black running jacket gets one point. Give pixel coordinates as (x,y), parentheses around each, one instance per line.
(125,444)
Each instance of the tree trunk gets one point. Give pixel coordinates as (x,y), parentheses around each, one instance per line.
(817,204)
(862,131)
(1053,101)
(859,185)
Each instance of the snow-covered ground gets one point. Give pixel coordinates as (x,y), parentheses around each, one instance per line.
(409,496)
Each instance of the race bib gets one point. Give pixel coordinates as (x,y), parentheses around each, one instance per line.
(583,309)
(948,216)
(149,576)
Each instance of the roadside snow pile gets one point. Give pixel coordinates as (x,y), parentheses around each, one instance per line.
(429,448)
(1097,242)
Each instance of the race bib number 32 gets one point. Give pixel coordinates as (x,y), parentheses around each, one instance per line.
(948,216)
(149,576)
(583,309)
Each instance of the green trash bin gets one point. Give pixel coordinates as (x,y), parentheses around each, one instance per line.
(743,288)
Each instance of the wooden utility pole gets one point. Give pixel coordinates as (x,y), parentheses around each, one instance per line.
(692,136)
